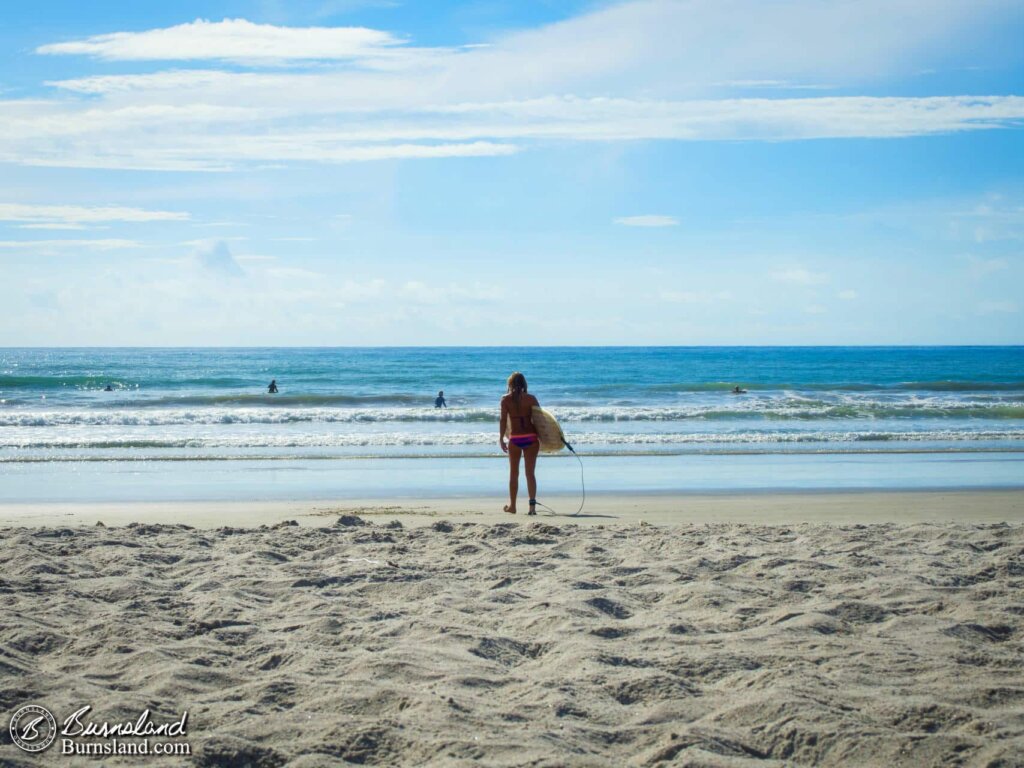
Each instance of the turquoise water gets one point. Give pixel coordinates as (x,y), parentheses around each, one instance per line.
(655,418)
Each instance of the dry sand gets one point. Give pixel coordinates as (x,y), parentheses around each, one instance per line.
(529,642)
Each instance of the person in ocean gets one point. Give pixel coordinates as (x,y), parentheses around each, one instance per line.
(439,401)
(738,391)
(272,388)
(523,440)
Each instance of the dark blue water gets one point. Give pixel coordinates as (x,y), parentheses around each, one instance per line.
(579,376)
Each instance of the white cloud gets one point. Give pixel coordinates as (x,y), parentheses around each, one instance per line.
(815,309)
(76,216)
(180,138)
(57,225)
(799,276)
(649,220)
(383,99)
(743,40)
(98,245)
(230,39)
(993,220)
(847,295)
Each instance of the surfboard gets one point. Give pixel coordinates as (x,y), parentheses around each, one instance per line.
(552,439)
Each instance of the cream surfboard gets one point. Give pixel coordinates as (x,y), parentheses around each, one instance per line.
(552,440)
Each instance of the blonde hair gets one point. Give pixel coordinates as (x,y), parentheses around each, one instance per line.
(516,385)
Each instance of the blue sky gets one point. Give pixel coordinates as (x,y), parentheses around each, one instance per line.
(655,172)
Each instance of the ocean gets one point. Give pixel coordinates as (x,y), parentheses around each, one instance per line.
(189,423)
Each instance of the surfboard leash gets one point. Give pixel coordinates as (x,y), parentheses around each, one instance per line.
(583,485)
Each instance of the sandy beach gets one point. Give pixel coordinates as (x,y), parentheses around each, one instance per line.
(973,506)
(299,295)
(712,630)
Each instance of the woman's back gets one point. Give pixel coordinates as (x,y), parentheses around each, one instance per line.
(519,412)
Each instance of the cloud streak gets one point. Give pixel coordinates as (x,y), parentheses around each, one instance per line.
(649,220)
(78,215)
(642,70)
(179,138)
(230,39)
(108,244)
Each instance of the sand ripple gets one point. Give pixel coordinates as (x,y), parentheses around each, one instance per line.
(530,644)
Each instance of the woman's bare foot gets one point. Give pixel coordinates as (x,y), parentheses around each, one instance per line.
(510,510)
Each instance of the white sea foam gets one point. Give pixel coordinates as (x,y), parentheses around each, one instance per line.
(790,408)
(384,440)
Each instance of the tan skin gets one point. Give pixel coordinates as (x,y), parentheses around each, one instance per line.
(519,412)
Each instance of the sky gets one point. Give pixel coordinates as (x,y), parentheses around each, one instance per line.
(521,172)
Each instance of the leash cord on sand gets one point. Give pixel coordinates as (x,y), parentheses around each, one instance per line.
(583,486)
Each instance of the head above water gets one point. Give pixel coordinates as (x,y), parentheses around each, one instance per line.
(516,384)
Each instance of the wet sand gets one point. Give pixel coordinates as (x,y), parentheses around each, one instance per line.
(658,509)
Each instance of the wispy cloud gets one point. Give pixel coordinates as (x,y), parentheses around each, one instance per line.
(847,295)
(97,245)
(77,216)
(649,220)
(58,225)
(230,39)
(224,137)
(745,40)
(374,96)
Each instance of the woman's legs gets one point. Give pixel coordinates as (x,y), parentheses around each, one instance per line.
(514,452)
(531,478)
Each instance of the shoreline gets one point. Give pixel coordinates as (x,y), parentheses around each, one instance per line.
(767,507)
(450,456)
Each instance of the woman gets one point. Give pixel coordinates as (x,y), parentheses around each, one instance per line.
(516,407)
